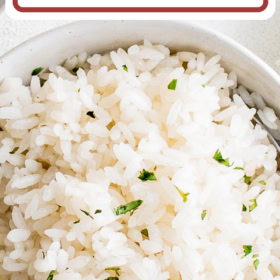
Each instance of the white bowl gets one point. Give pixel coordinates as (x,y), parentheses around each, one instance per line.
(55,46)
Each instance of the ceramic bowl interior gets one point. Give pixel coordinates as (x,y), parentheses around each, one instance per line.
(55,46)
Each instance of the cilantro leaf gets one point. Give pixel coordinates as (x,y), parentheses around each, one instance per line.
(219,158)
(247,249)
(256,264)
(116,269)
(253,205)
(262,182)
(247,179)
(147,176)
(183,195)
(131,206)
(145,232)
(51,275)
(86,213)
(172,85)
(203,214)
(14,150)
(36,71)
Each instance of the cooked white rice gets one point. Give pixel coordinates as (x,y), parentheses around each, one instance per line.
(72,150)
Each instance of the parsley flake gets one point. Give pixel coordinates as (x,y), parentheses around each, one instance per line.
(76,222)
(51,275)
(244,208)
(36,71)
(125,68)
(253,205)
(247,179)
(255,256)
(247,250)
(145,232)
(262,182)
(112,278)
(219,158)
(238,168)
(86,213)
(203,86)
(256,263)
(147,176)
(172,85)
(91,114)
(14,150)
(98,211)
(131,206)
(75,70)
(183,195)
(116,269)
(203,214)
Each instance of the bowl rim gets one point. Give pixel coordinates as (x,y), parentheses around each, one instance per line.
(219,36)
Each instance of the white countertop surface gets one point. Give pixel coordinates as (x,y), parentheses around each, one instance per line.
(262,37)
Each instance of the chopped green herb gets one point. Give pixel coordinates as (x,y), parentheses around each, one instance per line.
(247,249)
(75,70)
(256,263)
(86,213)
(98,211)
(219,158)
(91,114)
(131,206)
(116,269)
(238,168)
(112,278)
(253,205)
(172,85)
(51,275)
(203,86)
(244,208)
(147,176)
(262,182)
(125,68)
(14,150)
(203,214)
(255,256)
(36,71)
(247,179)
(76,222)
(79,90)
(184,195)
(145,232)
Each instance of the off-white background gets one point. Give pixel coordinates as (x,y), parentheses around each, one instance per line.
(262,37)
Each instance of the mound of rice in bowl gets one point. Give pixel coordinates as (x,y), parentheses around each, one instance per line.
(136,165)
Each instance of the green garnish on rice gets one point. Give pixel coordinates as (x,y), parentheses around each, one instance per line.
(125,68)
(145,232)
(76,222)
(14,150)
(98,211)
(116,269)
(238,168)
(256,264)
(112,278)
(262,182)
(172,85)
(51,275)
(219,158)
(129,207)
(37,71)
(247,250)
(253,205)
(247,179)
(86,213)
(147,176)
(244,208)
(203,214)
(182,194)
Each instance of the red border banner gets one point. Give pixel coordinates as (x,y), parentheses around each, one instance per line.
(140,9)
